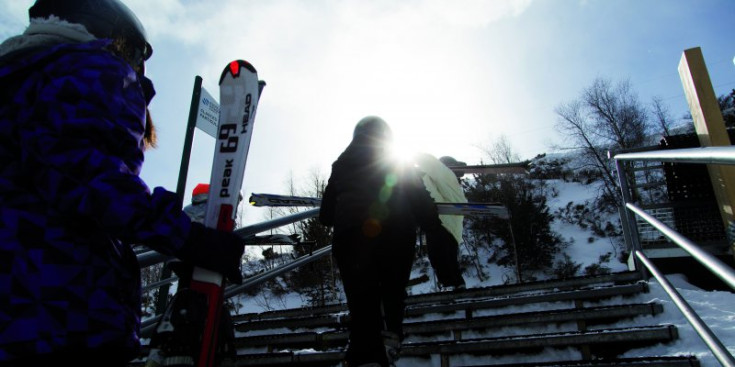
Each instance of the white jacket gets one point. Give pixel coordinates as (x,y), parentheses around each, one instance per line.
(443,187)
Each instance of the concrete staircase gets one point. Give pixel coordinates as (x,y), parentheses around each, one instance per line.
(571,322)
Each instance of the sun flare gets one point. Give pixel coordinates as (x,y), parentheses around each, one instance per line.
(402,152)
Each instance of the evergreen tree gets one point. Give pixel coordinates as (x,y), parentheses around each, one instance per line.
(525,241)
(317,280)
(727,106)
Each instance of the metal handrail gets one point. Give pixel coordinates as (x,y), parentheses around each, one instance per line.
(282,269)
(275,223)
(710,339)
(149,258)
(704,155)
(720,269)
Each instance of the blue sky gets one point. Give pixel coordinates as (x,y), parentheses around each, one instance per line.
(450,77)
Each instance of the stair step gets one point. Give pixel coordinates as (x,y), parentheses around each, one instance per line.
(558,315)
(590,315)
(469,306)
(297,340)
(665,361)
(445,302)
(639,335)
(627,277)
(336,320)
(474,325)
(286,359)
(332,359)
(606,341)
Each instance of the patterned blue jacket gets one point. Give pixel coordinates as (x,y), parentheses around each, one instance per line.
(72,204)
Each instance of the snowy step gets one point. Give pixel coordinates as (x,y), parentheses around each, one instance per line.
(331,359)
(286,359)
(589,314)
(601,343)
(446,302)
(664,361)
(583,317)
(611,340)
(628,277)
(470,306)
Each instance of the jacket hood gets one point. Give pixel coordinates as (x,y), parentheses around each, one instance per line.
(44,33)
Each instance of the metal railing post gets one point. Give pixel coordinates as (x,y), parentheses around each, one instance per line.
(632,237)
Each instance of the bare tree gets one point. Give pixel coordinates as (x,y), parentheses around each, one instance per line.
(662,115)
(501,151)
(618,118)
(291,189)
(604,118)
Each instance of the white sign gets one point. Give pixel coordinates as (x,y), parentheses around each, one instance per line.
(208,114)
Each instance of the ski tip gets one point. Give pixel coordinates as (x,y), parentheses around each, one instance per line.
(234,68)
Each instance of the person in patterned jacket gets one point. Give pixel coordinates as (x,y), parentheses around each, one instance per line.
(73,131)
(376,206)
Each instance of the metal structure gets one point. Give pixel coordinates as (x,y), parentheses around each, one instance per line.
(723,155)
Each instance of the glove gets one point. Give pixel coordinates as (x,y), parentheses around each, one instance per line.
(442,248)
(215,250)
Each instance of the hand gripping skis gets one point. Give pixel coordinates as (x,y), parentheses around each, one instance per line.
(189,332)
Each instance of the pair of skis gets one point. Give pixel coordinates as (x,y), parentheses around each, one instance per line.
(189,332)
(488,209)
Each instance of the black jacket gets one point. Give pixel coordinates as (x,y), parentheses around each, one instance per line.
(369,190)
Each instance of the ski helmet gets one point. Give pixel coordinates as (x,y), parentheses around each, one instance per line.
(451,162)
(373,127)
(102,18)
(201,188)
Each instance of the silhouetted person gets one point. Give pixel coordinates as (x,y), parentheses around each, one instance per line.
(376,205)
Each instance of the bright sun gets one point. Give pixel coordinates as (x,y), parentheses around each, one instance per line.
(402,152)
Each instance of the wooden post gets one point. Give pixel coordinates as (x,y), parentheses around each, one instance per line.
(709,125)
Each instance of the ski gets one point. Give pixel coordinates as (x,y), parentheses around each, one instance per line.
(508,168)
(188,333)
(490,209)
(469,209)
(239,95)
(283,200)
